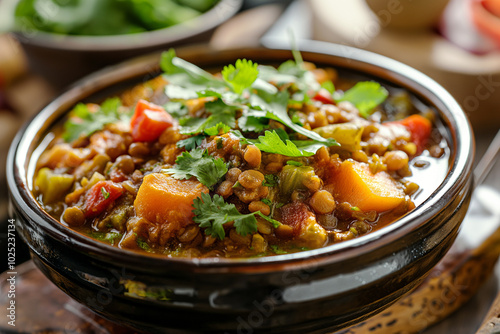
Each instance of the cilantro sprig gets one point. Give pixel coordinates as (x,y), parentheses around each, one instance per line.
(240,76)
(365,96)
(84,121)
(221,113)
(198,163)
(272,143)
(212,213)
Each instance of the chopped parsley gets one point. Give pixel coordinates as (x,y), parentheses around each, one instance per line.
(277,250)
(200,164)
(105,193)
(109,237)
(270,180)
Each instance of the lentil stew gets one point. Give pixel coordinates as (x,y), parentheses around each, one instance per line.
(251,161)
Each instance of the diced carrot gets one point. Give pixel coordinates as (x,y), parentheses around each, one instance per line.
(353,182)
(420,129)
(100,197)
(165,200)
(149,121)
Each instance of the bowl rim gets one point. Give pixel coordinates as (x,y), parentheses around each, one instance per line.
(221,12)
(459,174)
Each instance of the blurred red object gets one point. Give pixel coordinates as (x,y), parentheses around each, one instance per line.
(463,23)
(486,16)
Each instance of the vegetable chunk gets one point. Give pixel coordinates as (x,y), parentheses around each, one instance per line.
(354,183)
(163,199)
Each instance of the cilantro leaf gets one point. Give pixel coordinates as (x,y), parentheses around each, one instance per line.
(276,107)
(191,143)
(84,121)
(240,76)
(186,79)
(200,164)
(176,109)
(219,128)
(212,213)
(328,85)
(247,122)
(220,113)
(272,143)
(365,96)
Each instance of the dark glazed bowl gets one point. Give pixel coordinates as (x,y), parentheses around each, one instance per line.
(313,291)
(62,58)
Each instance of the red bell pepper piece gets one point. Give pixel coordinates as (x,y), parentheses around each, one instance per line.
(149,121)
(101,196)
(420,129)
(324,96)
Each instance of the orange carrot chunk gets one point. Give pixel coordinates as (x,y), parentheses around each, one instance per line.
(163,199)
(356,184)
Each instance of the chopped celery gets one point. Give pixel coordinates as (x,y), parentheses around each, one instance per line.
(52,186)
(294,178)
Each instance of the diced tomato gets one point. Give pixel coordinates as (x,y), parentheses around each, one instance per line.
(100,197)
(420,129)
(149,121)
(324,96)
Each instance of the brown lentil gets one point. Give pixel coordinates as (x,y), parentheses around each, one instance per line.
(187,234)
(322,202)
(225,189)
(233,174)
(125,163)
(139,150)
(395,160)
(251,179)
(255,206)
(253,156)
(74,216)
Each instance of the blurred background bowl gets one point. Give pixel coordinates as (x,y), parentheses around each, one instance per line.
(62,59)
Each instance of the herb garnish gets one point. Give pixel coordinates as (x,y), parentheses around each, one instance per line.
(212,213)
(200,164)
(85,121)
(105,193)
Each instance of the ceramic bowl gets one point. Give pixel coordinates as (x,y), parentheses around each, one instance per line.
(312,291)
